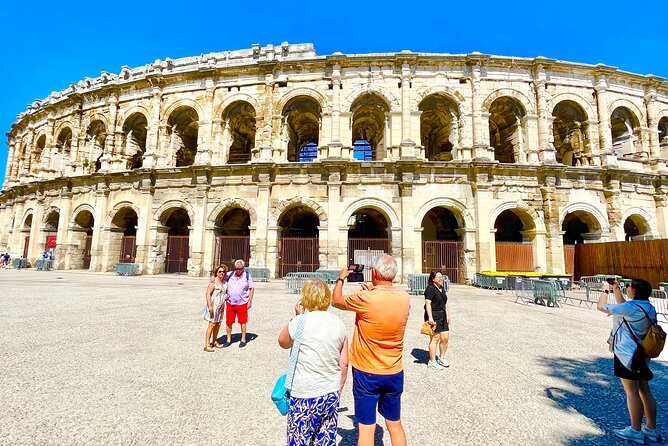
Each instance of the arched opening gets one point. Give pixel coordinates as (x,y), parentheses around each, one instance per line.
(50,230)
(178,241)
(663,136)
(82,236)
(232,237)
(368,237)
(37,154)
(182,130)
(625,129)
(124,235)
(439,127)
(301,128)
(25,229)
(63,149)
(369,122)
(570,131)
(95,141)
(134,134)
(636,228)
(442,247)
(298,233)
(240,124)
(505,129)
(514,249)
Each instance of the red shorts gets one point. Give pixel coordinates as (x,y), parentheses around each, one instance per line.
(238,312)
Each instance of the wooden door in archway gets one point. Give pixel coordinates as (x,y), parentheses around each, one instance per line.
(178,252)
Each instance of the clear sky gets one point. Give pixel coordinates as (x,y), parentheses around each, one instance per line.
(46,45)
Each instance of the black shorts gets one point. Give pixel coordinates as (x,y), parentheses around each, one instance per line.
(639,367)
(441,321)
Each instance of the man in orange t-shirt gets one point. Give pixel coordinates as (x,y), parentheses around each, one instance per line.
(377,348)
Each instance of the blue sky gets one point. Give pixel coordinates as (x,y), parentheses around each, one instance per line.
(48,45)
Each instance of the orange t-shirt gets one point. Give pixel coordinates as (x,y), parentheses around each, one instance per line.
(380,322)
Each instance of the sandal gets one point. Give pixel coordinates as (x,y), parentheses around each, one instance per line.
(217,345)
(208,349)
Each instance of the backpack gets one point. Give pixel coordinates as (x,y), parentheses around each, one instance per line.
(654,340)
(230,275)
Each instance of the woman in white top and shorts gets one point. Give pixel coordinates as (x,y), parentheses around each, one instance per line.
(322,367)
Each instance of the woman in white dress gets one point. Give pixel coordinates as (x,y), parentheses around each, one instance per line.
(216,295)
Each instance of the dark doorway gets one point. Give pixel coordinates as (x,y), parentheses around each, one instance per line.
(368,237)
(442,249)
(299,247)
(178,238)
(232,234)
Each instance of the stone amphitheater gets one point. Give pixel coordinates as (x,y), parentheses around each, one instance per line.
(294,161)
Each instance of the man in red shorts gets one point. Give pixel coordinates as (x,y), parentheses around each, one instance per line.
(377,349)
(240,291)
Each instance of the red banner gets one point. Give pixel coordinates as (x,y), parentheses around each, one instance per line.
(51,241)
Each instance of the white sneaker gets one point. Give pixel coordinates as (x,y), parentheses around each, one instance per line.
(630,434)
(652,435)
(442,361)
(434,365)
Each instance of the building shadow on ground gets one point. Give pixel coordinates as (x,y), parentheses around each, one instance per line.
(349,436)
(420,355)
(590,389)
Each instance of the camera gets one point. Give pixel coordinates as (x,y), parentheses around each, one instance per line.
(610,280)
(355,273)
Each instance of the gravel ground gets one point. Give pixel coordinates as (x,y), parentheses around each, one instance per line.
(92,358)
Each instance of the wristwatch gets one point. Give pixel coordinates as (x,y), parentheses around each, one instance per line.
(341,280)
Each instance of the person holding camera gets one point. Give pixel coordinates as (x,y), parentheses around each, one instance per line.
(436,312)
(631,320)
(377,348)
(321,370)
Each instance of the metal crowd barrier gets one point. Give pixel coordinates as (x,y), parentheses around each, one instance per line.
(44,264)
(259,274)
(127,269)
(538,291)
(295,281)
(331,274)
(19,262)
(660,301)
(417,283)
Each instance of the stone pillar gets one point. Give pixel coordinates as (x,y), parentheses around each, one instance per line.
(334,243)
(546,152)
(97,246)
(110,152)
(63,229)
(407,144)
(612,192)
(45,167)
(335,144)
(661,202)
(204,127)
(605,137)
(153,135)
(484,201)
(480,131)
(409,245)
(196,266)
(144,222)
(651,107)
(555,262)
(470,258)
(10,163)
(265,150)
(263,250)
(35,230)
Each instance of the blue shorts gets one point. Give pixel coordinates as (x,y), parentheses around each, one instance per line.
(381,391)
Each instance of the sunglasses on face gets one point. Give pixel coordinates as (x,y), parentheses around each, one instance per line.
(220,272)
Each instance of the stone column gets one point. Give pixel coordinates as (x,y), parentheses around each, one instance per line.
(152,138)
(546,152)
(263,250)
(335,144)
(265,151)
(409,245)
(484,201)
(196,266)
(605,137)
(555,262)
(612,192)
(204,129)
(661,202)
(97,246)
(650,105)
(334,243)
(144,222)
(407,144)
(45,167)
(480,132)
(8,171)
(35,231)
(111,152)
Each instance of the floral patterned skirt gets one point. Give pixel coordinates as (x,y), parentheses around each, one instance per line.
(313,421)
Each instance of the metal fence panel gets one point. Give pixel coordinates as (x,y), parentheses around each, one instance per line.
(298,254)
(443,256)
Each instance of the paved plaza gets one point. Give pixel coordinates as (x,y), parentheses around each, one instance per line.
(92,358)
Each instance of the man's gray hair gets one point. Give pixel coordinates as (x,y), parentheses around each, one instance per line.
(239,264)
(386,267)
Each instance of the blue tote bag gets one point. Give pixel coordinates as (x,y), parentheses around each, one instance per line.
(281,393)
